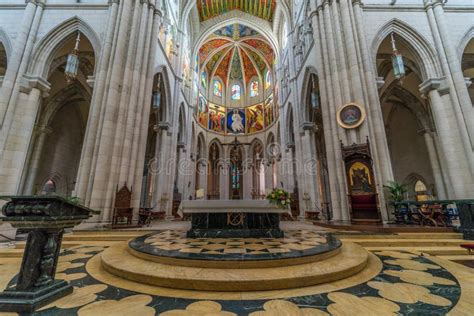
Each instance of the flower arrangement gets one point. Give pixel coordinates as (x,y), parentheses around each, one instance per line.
(279,197)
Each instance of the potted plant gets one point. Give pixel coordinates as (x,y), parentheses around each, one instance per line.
(397,191)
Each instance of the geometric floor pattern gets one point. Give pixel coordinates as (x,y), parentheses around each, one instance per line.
(408,284)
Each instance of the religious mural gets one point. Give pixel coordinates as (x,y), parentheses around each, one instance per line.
(235,121)
(360,180)
(203,111)
(216,118)
(269,113)
(255,118)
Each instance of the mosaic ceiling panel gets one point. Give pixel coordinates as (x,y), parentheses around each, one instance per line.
(236,52)
(263,9)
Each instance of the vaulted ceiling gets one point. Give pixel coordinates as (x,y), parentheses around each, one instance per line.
(236,52)
(264,9)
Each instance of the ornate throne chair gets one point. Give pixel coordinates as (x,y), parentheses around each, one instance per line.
(123,212)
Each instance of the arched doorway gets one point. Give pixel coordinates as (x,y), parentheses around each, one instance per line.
(236,173)
(57,144)
(152,165)
(467,65)
(258,170)
(214,172)
(314,116)
(3,61)
(409,127)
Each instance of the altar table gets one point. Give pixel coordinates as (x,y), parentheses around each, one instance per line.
(233,218)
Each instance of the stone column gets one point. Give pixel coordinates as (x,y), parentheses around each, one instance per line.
(380,152)
(12,73)
(85,166)
(309,169)
(41,134)
(460,100)
(450,141)
(429,136)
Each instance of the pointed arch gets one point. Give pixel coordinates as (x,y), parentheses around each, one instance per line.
(305,92)
(46,48)
(5,40)
(166,89)
(467,37)
(414,42)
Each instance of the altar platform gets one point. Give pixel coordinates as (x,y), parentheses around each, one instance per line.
(171,260)
(232,218)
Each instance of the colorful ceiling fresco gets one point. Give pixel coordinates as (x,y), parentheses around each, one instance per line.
(236,52)
(263,9)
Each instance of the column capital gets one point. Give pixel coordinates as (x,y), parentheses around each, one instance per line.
(114,2)
(439,84)
(43,129)
(29,82)
(430,84)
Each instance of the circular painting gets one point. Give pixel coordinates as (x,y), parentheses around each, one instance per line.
(351,115)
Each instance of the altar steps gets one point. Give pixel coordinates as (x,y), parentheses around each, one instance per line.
(390,242)
(119,261)
(424,236)
(434,251)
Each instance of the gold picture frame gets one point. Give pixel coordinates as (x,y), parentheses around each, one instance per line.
(351,115)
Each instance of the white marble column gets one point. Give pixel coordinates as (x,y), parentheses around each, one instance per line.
(450,141)
(84,177)
(460,100)
(12,74)
(429,136)
(41,135)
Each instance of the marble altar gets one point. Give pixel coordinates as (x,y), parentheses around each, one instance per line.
(233,218)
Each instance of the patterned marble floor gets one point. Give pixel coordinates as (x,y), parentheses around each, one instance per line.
(408,284)
(297,243)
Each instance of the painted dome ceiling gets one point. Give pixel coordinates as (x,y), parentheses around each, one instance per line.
(263,9)
(236,52)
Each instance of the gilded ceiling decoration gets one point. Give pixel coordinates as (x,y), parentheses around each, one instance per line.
(263,9)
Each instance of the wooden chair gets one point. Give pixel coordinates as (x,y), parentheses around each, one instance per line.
(122,209)
(432,215)
(364,209)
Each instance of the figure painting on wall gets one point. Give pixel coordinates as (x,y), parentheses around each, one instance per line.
(351,115)
(255,118)
(269,115)
(202,111)
(216,118)
(236,121)
(360,178)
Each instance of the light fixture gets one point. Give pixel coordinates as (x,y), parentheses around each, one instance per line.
(72,64)
(397,61)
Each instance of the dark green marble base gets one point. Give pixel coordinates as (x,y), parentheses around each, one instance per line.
(29,301)
(235,233)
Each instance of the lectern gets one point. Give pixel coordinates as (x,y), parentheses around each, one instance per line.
(45,219)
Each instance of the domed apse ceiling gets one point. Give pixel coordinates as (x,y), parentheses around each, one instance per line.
(236,52)
(263,9)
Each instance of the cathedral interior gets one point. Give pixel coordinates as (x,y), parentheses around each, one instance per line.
(236,157)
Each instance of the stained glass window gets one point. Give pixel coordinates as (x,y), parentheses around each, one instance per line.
(217,88)
(204,80)
(268,80)
(235,92)
(253,89)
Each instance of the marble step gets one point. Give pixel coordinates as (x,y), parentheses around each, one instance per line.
(405,242)
(435,251)
(101,237)
(112,232)
(118,261)
(430,236)
(459,257)
(68,243)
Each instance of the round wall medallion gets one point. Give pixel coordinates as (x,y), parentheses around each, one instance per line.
(351,115)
